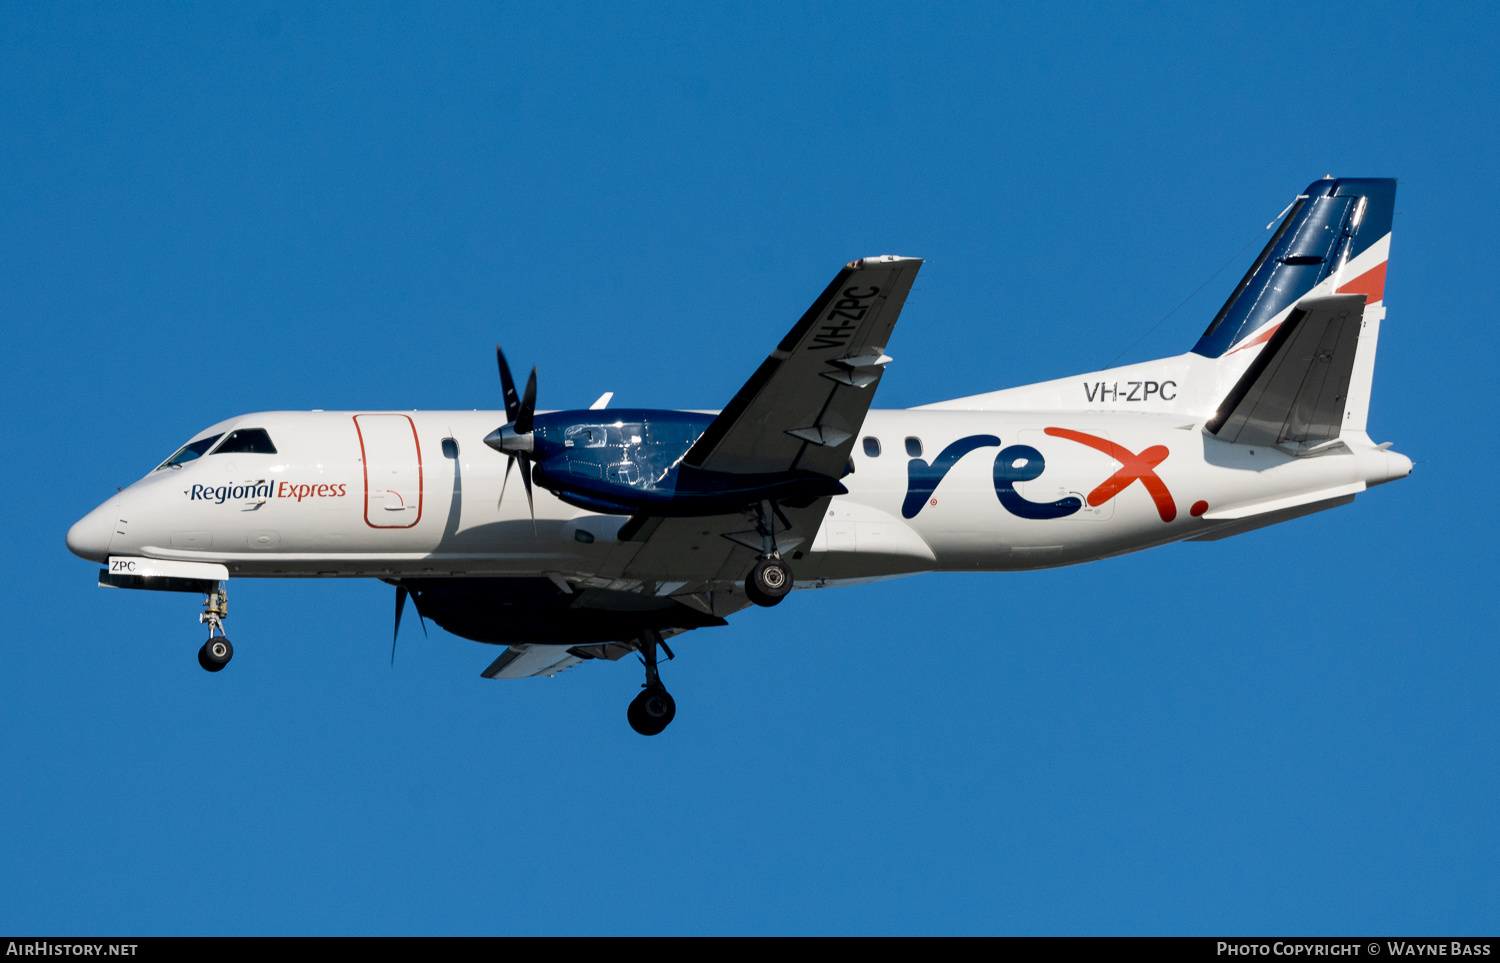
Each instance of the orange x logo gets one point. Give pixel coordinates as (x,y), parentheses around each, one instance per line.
(1133,467)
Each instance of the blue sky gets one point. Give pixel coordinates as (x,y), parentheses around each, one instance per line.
(212,209)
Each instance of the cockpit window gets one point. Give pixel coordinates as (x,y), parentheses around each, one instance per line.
(188,452)
(248,441)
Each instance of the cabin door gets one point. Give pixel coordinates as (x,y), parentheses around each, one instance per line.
(393,470)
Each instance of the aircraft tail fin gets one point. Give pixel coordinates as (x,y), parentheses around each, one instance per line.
(1336,235)
(1335,239)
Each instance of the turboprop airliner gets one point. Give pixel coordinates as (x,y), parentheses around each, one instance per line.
(639,525)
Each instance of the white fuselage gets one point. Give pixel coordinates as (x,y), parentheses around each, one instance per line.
(324,505)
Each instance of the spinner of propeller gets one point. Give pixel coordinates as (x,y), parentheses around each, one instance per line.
(514,438)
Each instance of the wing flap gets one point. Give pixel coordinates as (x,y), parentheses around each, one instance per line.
(714,548)
(1294,395)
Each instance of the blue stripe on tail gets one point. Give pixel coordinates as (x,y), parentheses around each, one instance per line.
(1325,228)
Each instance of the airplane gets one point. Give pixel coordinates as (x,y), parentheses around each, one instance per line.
(640,525)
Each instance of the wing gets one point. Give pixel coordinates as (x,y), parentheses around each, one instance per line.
(525,660)
(698,561)
(802,407)
(1294,394)
(799,411)
(529,659)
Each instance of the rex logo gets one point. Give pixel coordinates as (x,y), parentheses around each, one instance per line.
(1133,468)
(1022,463)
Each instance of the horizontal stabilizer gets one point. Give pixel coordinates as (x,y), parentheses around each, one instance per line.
(1294,395)
(1235,513)
(1249,523)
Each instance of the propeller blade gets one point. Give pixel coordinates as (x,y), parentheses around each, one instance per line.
(528,406)
(400,604)
(503,482)
(526,477)
(508,386)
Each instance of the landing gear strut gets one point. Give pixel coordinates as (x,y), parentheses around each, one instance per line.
(216,652)
(652,710)
(771,578)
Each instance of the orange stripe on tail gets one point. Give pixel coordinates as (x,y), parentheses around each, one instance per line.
(1371,284)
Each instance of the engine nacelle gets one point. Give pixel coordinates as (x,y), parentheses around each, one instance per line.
(630,460)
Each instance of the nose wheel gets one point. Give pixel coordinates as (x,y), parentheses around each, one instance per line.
(217,651)
(215,654)
(652,710)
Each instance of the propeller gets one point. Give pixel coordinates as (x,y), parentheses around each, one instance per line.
(401,594)
(400,604)
(514,438)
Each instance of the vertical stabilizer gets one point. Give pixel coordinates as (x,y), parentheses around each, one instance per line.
(1336,224)
(1336,239)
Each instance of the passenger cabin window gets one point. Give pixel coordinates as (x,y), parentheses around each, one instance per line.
(872,446)
(188,452)
(914,447)
(247,441)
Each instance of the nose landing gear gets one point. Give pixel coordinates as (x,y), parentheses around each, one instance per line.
(216,652)
(652,710)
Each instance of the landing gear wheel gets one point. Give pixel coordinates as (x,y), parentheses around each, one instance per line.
(651,711)
(215,654)
(768,582)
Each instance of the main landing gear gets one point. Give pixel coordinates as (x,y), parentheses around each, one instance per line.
(216,652)
(652,710)
(771,578)
(769,581)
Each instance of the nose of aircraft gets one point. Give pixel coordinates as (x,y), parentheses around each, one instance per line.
(90,535)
